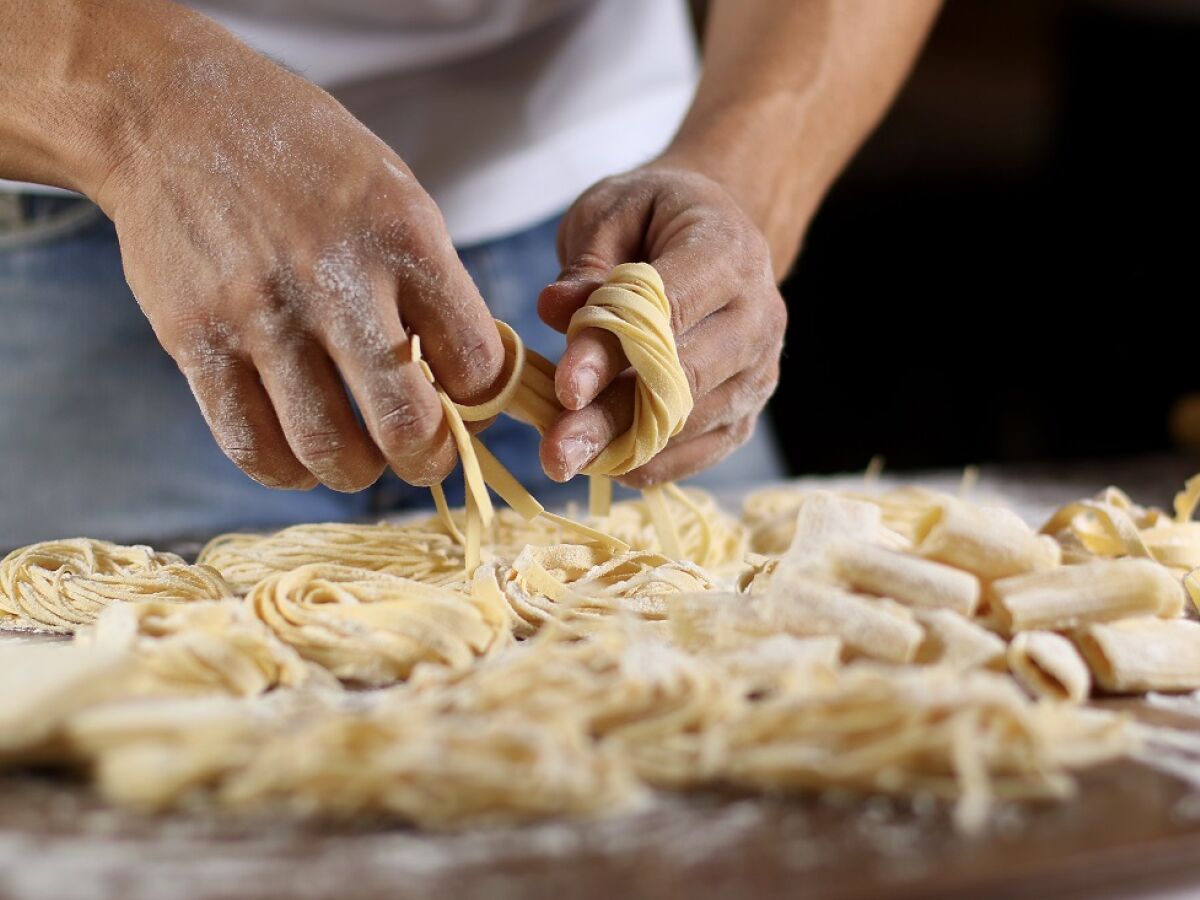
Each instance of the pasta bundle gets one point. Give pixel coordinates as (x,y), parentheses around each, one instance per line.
(933,730)
(373,627)
(329,758)
(199,648)
(246,559)
(574,586)
(58,586)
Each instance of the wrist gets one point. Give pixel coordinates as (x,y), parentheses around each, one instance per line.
(79,104)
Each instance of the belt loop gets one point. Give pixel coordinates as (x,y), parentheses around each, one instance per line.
(11,212)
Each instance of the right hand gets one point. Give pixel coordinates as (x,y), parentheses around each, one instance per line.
(279,248)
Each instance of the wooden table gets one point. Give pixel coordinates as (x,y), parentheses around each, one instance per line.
(1130,832)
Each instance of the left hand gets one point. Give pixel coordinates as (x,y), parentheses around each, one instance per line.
(726,312)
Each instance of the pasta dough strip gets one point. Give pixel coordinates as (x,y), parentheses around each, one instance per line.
(632,305)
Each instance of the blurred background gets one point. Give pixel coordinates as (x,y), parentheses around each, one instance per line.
(1007,271)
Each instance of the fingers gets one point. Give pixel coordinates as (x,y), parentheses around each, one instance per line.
(589,364)
(400,407)
(745,394)
(679,461)
(723,375)
(708,348)
(611,224)
(438,300)
(239,414)
(578,436)
(318,422)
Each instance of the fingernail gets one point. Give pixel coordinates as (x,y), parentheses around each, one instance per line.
(586,384)
(577,452)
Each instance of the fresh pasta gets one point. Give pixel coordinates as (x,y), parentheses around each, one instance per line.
(57,586)
(1097,591)
(1146,654)
(495,664)
(1048,665)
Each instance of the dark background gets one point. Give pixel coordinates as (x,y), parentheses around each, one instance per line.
(1007,271)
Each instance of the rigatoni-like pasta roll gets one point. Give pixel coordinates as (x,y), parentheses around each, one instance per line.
(956,641)
(1146,654)
(1049,666)
(989,541)
(716,621)
(1098,591)
(868,626)
(909,579)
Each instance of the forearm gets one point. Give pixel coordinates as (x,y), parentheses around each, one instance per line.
(789,91)
(77,77)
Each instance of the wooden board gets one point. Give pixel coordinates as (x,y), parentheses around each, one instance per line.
(1129,832)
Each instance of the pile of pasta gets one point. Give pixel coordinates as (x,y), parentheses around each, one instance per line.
(906,642)
(485,664)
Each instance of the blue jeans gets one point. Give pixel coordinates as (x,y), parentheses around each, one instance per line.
(100,434)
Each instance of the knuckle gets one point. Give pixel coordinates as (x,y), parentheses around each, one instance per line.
(741,432)
(202,364)
(760,321)
(754,247)
(691,369)
(679,301)
(421,224)
(482,359)
(408,426)
(319,447)
(764,385)
(411,230)
(597,200)
(776,315)
(336,460)
(200,342)
(587,264)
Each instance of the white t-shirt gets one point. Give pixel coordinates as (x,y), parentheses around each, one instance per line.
(505,109)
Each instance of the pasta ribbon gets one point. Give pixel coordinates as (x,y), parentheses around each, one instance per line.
(631,304)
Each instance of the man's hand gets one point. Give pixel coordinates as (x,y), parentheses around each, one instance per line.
(726,310)
(280,249)
(789,89)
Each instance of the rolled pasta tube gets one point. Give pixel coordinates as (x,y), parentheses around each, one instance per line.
(956,641)
(716,621)
(908,579)
(988,541)
(1049,666)
(868,626)
(1146,654)
(1099,591)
